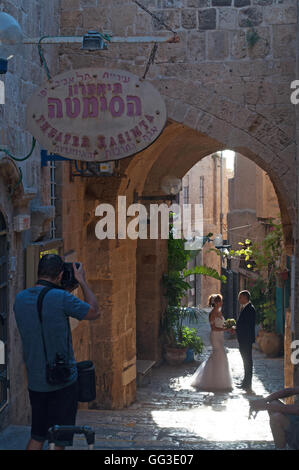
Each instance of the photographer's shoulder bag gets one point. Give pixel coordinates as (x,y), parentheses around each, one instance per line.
(59,372)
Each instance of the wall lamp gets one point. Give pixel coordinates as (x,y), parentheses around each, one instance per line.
(11,37)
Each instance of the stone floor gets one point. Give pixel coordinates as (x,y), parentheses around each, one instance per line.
(169,414)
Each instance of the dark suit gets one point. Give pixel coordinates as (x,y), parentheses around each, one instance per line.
(246,336)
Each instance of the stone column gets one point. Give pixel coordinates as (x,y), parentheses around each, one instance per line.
(111,274)
(150,302)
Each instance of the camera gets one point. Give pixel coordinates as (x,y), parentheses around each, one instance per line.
(59,372)
(68,281)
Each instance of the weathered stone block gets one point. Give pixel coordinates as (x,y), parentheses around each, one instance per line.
(198,3)
(170,3)
(217,45)
(171,18)
(263,2)
(221,3)
(250,17)
(149,3)
(71,19)
(280,14)
(239,45)
(227,18)
(241,3)
(284,42)
(207,19)
(196,46)
(262,47)
(70,4)
(189,19)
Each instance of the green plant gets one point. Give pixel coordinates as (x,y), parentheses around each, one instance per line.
(269,316)
(267,260)
(175,280)
(257,290)
(192,340)
(176,287)
(173,324)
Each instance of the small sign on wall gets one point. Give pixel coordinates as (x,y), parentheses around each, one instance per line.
(96,114)
(22,222)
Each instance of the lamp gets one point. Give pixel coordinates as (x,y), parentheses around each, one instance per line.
(218,240)
(171,185)
(93,41)
(10,36)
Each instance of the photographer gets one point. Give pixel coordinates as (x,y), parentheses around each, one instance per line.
(284,419)
(47,341)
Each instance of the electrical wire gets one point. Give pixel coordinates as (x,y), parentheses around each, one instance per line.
(7,152)
(106,37)
(42,57)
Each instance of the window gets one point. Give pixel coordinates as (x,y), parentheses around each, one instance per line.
(186,195)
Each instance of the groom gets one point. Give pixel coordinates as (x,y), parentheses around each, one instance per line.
(246,336)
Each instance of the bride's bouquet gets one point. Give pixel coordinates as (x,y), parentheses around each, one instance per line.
(230,323)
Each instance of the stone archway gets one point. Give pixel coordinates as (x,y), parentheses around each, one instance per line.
(126,274)
(183,150)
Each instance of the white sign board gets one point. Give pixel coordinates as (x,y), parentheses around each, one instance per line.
(96,114)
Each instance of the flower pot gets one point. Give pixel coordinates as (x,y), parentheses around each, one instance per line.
(284,275)
(281,277)
(271,344)
(175,356)
(189,355)
(260,337)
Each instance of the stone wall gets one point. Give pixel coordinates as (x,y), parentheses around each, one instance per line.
(36,18)
(223,90)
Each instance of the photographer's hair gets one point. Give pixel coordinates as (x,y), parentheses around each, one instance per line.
(215,298)
(50,266)
(246,294)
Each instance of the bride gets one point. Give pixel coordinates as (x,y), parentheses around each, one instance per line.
(214,374)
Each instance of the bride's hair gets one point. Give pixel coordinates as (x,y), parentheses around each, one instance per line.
(213,299)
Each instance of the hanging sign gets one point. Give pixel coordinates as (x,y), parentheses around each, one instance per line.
(96,114)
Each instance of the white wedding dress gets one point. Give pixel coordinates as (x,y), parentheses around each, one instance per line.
(214,374)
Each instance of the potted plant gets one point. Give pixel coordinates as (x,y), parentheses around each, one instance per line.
(193,342)
(268,340)
(179,337)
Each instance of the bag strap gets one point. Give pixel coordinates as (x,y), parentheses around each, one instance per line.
(40,300)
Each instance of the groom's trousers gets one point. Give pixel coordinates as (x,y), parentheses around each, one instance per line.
(246,353)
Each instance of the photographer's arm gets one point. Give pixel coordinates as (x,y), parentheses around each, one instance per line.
(89,296)
(91,299)
(266,403)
